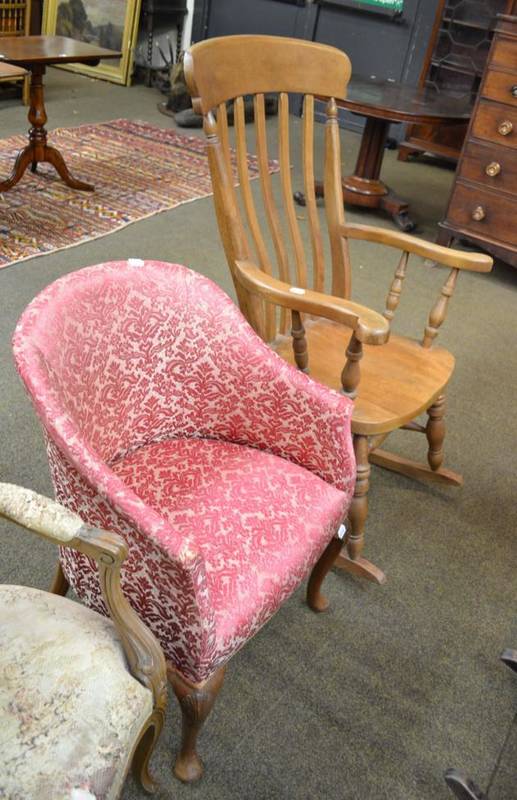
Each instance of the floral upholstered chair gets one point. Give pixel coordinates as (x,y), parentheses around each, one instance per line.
(228,472)
(81,696)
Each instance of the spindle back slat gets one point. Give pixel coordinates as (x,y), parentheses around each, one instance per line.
(287,191)
(318,263)
(249,206)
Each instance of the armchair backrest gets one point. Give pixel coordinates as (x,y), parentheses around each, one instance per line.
(130,354)
(230,68)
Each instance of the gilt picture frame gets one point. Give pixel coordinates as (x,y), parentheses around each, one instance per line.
(106,23)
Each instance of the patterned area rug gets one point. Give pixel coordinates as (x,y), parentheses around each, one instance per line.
(138,170)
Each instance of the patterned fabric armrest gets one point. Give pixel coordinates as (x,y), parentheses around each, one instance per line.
(271,405)
(38,513)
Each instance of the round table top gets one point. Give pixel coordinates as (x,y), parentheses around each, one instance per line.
(50,50)
(396,102)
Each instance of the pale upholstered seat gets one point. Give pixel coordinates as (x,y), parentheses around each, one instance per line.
(82,695)
(169,421)
(70,711)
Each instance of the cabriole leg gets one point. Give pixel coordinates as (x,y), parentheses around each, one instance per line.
(196,703)
(315,599)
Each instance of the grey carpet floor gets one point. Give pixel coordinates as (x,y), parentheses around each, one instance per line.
(375,698)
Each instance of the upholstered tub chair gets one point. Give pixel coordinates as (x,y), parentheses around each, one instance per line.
(228,472)
(81,696)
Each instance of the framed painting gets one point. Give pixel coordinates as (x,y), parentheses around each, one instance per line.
(106,23)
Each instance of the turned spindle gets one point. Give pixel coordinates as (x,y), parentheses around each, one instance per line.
(439,310)
(351,374)
(301,354)
(393,298)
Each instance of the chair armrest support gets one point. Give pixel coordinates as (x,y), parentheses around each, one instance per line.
(369,326)
(457,259)
(57,524)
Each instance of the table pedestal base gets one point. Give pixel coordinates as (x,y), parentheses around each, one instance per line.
(38,150)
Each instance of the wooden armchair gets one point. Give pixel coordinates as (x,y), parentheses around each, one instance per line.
(81,696)
(399,378)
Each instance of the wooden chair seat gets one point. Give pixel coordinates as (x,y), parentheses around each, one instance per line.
(399,380)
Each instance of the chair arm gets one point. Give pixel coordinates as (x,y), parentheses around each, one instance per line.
(457,259)
(54,522)
(369,326)
(45,517)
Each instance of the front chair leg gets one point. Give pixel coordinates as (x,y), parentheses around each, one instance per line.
(59,583)
(196,703)
(435,432)
(353,561)
(144,751)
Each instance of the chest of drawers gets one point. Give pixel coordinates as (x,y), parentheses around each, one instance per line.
(483,202)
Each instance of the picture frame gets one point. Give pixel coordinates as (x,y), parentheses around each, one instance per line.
(106,23)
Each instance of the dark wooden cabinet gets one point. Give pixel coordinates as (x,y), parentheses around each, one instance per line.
(483,202)
(154,12)
(454,63)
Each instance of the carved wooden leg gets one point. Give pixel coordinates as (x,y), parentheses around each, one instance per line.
(435,432)
(144,751)
(316,600)
(196,703)
(354,562)
(463,788)
(59,583)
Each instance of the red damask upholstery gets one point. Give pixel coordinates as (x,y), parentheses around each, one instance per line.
(168,420)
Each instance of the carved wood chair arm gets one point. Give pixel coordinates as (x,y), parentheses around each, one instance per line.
(369,326)
(57,524)
(457,259)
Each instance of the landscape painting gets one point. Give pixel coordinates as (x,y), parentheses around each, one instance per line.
(106,23)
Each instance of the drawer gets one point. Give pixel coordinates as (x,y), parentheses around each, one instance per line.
(488,120)
(501,163)
(501,86)
(504,54)
(499,220)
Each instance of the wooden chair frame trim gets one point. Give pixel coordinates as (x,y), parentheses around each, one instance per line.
(457,259)
(369,326)
(146,662)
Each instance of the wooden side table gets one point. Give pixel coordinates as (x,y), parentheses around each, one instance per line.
(35,53)
(384,102)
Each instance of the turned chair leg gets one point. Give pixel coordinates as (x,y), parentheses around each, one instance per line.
(144,751)
(59,583)
(353,561)
(435,432)
(196,703)
(359,505)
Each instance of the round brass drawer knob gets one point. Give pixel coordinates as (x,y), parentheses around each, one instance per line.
(513,90)
(505,127)
(493,169)
(479,214)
